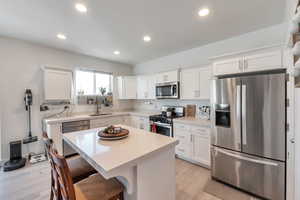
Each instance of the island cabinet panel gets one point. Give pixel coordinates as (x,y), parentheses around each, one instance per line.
(194,143)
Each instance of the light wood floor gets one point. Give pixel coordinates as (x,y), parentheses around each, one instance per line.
(33,182)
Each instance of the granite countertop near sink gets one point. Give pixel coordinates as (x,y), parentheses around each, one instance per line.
(193,121)
(77,117)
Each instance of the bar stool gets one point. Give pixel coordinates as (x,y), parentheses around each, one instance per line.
(94,187)
(79,168)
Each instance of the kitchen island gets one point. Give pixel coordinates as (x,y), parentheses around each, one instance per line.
(144,162)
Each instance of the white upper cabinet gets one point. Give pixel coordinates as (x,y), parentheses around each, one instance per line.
(57,84)
(127,87)
(259,60)
(142,87)
(263,61)
(205,77)
(188,82)
(151,87)
(195,83)
(227,66)
(164,77)
(146,87)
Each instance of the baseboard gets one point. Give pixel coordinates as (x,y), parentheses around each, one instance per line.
(192,161)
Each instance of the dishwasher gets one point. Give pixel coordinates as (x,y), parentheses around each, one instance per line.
(73,126)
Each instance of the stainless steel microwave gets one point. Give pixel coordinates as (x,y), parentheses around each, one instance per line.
(168,90)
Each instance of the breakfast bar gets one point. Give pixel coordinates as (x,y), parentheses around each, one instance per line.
(144,162)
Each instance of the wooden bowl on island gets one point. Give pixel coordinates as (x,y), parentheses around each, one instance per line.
(113,133)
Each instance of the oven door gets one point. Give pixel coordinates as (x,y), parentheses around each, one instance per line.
(167,90)
(163,129)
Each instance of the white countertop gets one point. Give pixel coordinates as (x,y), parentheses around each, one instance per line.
(77,117)
(110,155)
(193,121)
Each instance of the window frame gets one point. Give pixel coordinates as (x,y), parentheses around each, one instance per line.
(94,81)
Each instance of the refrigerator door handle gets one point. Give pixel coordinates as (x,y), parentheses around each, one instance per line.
(238,114)
(244,114)
(246,158)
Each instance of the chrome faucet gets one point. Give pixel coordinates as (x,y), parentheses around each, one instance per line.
(98,106)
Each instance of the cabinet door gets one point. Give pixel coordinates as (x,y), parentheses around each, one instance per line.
(165,77)
(204,83)
(121,86)
(151,87)
(130,87)
(171,76)
(142,87)
(201,148)
(159,78)
(230,66)
(57,84)
(182,133)
(189,84)
(263,61)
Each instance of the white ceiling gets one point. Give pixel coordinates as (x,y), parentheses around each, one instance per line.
(111,25)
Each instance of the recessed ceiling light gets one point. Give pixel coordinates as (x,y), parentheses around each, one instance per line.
(147,38)
(81,7)
(116,52)
(203,12)
(61,36)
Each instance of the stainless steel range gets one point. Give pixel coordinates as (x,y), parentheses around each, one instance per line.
(163,123)
(249,133)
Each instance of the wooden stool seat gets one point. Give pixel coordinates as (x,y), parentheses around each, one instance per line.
(79,168)
(97,187)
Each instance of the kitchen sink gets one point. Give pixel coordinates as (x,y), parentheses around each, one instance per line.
(100,114)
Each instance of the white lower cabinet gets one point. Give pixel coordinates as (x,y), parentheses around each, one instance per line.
(200,145)
(194,143)
(103,122)
(140,122)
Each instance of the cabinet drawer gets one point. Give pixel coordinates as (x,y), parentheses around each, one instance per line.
(182,150)
(184,138)
(200,130)
(182,127)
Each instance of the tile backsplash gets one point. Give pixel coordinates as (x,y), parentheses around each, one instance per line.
(155,105)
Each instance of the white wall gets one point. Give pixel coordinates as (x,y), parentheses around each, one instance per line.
(200,55)
(20,68)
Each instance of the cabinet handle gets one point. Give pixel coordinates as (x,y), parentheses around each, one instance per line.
(240,65)
(191,138)
(292,140)
(245,64)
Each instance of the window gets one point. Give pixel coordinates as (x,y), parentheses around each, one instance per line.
(91,82)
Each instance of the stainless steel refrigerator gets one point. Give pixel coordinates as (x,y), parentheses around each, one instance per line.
(249,133)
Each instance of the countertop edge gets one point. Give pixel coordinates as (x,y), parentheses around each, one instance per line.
(128,163)
(87,117)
